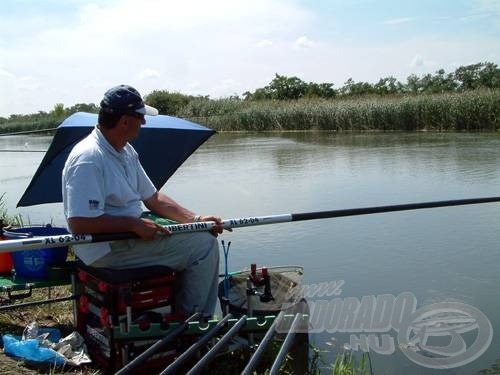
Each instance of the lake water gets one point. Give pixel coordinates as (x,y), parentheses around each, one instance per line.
(439,255)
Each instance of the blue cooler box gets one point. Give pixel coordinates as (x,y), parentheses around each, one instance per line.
(32,264)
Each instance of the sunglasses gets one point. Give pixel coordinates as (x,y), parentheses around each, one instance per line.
(136,115)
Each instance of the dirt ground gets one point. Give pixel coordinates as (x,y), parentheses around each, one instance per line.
(58,315)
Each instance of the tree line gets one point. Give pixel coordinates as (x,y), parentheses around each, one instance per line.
(469,77)
(283,88)
(464,78)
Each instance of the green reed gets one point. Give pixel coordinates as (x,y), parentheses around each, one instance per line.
(30,125)
(469,111)
(476,110)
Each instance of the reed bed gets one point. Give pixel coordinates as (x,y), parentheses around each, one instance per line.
(475,110)
(469,111)
(25,126)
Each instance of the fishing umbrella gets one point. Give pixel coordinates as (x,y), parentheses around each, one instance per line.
(164,143)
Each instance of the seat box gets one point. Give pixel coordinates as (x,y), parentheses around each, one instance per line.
(111,355)
(108,299)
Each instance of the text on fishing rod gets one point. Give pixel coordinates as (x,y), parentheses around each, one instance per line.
(244,221)
(66,239)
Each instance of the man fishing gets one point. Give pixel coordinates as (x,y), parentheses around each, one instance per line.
(104,188)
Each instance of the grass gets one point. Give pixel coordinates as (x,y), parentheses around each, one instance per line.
(469,111)
(5,218)
(346,364)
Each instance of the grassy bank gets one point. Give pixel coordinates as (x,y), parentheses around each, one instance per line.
(475,110)
(33,124)
(470,111)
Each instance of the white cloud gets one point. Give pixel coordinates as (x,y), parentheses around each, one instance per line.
(489,6)
(303,42)
(481,11)
(157,45)
(6,74)
(420,63)
(148,73)
(224,87)
(417,61)
(397,21)
(28,83)
(264,43)
(473,18)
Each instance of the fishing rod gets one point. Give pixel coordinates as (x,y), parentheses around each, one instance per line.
(48,130)
(76,239)
(23,150)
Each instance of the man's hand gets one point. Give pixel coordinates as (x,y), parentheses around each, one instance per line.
(147,229)
(217,229)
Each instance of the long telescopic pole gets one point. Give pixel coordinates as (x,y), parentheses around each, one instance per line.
(66,240)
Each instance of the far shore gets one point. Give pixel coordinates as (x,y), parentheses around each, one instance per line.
(470,111)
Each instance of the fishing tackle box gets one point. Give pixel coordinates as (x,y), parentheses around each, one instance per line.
(109,299)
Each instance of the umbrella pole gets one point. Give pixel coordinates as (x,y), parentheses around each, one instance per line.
(66,240)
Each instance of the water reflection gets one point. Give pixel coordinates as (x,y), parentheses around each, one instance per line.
(467,156)
(448,254)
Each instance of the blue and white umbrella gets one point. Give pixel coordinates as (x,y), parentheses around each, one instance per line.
(164,143)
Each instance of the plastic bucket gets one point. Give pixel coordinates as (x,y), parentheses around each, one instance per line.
(34,263)
(5,260)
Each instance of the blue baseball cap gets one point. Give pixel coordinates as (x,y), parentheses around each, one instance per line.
(125,99)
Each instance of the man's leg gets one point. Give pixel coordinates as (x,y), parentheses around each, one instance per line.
(196,254)
(201,275)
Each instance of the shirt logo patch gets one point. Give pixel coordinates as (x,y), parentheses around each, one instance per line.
(93,204)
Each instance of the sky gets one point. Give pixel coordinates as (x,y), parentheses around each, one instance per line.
(72,51)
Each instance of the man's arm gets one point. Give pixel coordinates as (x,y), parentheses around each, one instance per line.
(145,229)
(165,206)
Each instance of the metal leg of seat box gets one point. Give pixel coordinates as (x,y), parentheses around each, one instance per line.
(286,345)
(207,358)
(254,359)
(157,346)
(174,366)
